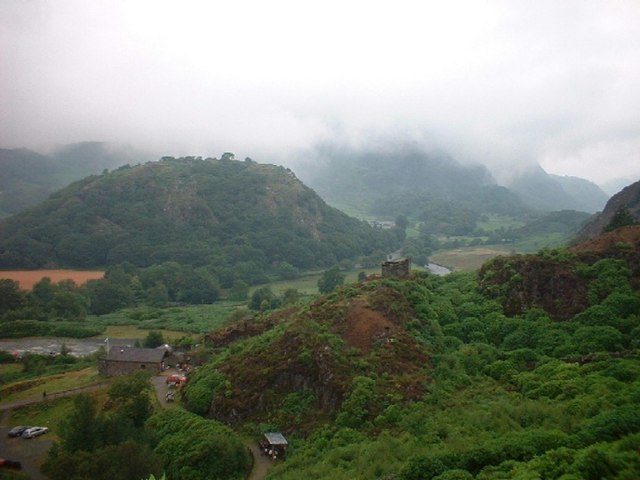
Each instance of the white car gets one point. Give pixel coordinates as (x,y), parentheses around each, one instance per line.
(34,432)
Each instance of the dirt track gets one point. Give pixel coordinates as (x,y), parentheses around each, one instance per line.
(261,464)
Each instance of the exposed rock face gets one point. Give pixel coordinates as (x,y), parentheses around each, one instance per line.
(628,198)
(525,281)
(554,282)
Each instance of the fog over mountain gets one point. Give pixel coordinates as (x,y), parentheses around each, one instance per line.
(503,84)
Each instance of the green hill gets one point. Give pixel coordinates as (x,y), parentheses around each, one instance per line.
(193,211)
(27,177)
(439,378)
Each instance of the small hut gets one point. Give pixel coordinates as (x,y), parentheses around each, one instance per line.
(274,445)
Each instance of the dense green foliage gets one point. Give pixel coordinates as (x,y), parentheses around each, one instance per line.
(239,218)
(330,280)
(27,177)
(124,440)
(519,396)
(622,218)
(153,340)
(123,286)
(24,314)
(108,444)
(64,300)
(188,318)
(33,365)
(196,449)
(507,399)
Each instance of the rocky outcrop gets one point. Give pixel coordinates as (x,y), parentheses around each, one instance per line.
(522,282)
(555,281)
(302,368)
(627,199)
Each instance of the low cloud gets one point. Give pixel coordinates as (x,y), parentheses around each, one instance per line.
(506,84)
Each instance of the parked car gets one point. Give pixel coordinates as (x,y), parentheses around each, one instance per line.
(17,431)
(34,432)
(176,379)
(10,464)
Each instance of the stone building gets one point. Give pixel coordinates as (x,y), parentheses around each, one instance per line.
(128,360)
(396,268)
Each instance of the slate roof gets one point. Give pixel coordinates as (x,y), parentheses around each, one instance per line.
(132,354)
(275,438)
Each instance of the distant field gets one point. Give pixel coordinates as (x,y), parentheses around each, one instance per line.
(307,284)
(472,258)
(467,258)
(28,278)
(495,222)
(189,319)
(131,331)
(538,242)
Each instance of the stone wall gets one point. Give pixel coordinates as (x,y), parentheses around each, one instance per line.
(396,268)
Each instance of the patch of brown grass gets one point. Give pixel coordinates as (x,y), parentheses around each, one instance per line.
(626,235)
(364,327)
(28,278)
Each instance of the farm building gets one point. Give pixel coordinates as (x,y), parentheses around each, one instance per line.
(128,360)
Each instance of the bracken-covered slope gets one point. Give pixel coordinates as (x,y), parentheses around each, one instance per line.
(187,210)
(426,378)
(564,283)
(301,370)
(626,203)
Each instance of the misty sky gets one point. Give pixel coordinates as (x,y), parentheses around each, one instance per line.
(502,83)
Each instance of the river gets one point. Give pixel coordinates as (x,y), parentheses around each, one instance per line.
(78,347)
(437,269)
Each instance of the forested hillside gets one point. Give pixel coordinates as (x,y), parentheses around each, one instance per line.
(432,188)
(223,213)
(439,378)
(441,194)
(28,177)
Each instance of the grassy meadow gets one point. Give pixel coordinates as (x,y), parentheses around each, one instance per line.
(23,389)
(174,321)
(467,259)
